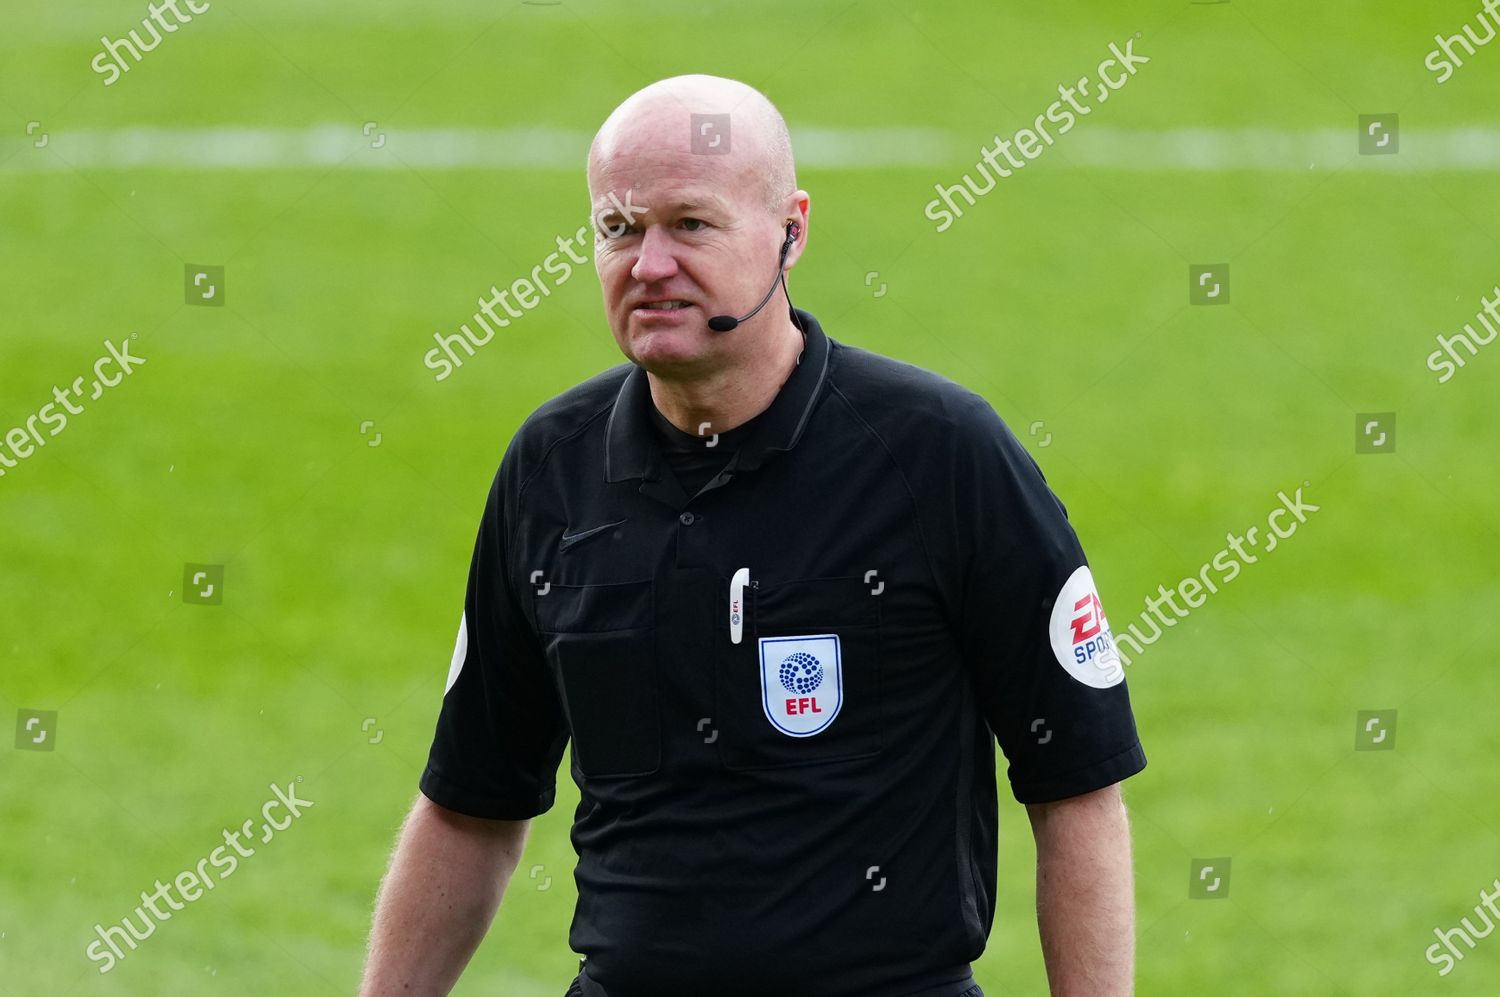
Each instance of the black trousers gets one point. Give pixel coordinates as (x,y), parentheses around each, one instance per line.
(575,989)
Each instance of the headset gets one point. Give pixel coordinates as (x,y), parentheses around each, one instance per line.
(725,323)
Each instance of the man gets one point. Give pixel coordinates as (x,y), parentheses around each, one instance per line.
(780,593)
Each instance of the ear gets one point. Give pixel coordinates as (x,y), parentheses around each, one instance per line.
(797,206)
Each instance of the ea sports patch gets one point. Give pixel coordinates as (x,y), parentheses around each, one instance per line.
(801,682)
(1080,634)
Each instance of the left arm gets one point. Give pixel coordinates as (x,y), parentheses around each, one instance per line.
(1085,904)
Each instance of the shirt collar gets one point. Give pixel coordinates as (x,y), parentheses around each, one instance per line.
(631,449)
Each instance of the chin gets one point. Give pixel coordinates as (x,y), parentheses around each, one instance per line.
(666,348)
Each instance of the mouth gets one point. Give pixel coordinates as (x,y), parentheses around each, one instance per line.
(669,312)
(663,306)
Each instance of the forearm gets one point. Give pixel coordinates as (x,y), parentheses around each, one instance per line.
(1085,895)
(438,899)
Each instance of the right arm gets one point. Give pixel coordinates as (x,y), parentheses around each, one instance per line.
(445,882)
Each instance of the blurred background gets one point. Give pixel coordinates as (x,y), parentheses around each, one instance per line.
(243,563)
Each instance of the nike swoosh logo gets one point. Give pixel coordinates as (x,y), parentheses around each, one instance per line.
(569,539)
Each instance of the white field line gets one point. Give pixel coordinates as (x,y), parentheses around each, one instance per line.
(947,154)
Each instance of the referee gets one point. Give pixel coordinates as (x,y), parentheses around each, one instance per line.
(783,596)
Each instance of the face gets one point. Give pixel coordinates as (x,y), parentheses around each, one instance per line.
(672,226)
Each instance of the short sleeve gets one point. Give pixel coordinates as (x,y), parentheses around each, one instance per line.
(500,732)
(1034,635)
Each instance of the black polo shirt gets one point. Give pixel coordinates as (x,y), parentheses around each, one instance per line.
(810,810)
(694,459)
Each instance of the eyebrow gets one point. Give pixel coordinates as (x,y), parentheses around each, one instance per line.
(695,203)
(706,201)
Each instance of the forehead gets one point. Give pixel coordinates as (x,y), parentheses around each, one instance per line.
(653,157)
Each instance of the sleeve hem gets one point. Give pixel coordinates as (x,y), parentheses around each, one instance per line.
(464,801)
(1079,781)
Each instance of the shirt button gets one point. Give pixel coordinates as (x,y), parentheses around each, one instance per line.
(686,519)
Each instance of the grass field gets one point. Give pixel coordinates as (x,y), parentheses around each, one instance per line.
(247,438)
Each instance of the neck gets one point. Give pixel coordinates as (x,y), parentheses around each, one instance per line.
(734,394)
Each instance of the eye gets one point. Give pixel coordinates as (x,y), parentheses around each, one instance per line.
(695,221)
(615,229)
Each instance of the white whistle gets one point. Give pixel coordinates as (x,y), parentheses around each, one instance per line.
(737,604)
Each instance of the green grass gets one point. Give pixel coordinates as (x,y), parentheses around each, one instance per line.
(1061,297)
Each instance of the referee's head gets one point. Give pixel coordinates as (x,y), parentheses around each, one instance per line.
(692,185)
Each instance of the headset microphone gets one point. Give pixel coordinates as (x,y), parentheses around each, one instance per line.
(724,323)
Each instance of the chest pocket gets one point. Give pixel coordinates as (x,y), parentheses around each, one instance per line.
(804,685)
(600,645)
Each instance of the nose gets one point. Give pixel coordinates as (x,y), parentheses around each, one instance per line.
(657,259)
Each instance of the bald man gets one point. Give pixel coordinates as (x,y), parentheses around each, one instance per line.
(782,596)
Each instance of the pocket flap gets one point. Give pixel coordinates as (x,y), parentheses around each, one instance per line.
(593,608)
(815,602)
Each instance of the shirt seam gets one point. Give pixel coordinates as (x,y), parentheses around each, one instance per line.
(905,482)
(541,465)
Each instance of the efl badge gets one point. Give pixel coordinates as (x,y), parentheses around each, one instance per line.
(1080,634)
(801,682)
